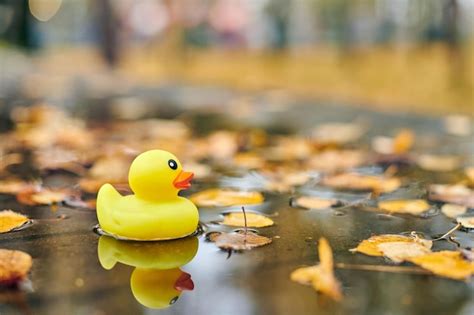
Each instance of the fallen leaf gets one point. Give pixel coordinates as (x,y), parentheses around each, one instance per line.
(42,196)
(457,194)
(449,264)
(321,276)
(339,133)
(240,240)
(401,143)
(253,220)
(452,211)
(467,222)
(284,181)
(458,125)
(14,186)
(370,246)
(248,160)
(410,206)
(14,266)
(438,163)
(401,251)
(215,197)
(354,181)
(336,160)
(312,202)
(10,220)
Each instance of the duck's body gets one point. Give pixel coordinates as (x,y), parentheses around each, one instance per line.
(155,211)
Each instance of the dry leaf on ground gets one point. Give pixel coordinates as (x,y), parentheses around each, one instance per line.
(240,240)
(253,220)
(10,220)
(321,276)
(215,197)
(452,211)
(354,181)
(467,222)
(438,163)
(14,266)
(410,206)
(312,202)
(457,194)
(370,246)
(449,264)
(401,251)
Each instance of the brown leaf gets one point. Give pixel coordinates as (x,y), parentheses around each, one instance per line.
(410,206)
(14,186)
(253,220)
(14,266)
(370,246)
(10,220)
(43,196)
(215,197)
(354,181)
(321,276)
(312,202)
(457,194)
(240,240)
(449,264)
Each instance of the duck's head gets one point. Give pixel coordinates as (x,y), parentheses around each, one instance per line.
(157,174)
(159,289)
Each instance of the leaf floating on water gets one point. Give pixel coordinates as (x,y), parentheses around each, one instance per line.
(312,202)
(336,160)
(14,186)
(10,220)
(14,266)
(438,163)
(253,220)
(457,194)
(240,240)
(410,206)
(452,211)
(401,143)
(449,264)
(354,181)
(338,132)
(467,222)
(371,245)
(43,196)
(216,197)
(321,276)
(401,251)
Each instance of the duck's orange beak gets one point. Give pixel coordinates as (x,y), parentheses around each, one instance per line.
(183,180)
(184,282)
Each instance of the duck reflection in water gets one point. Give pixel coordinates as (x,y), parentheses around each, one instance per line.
(156,282)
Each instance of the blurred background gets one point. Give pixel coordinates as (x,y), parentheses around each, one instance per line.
(395,55)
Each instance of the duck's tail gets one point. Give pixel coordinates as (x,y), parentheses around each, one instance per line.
(107,198)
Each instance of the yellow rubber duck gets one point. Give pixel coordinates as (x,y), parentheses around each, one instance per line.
(156,282)
(155,211)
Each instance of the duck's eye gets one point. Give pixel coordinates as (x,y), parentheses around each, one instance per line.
(172,164)
(173,300)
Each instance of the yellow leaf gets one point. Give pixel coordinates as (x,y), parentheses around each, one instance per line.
(253,220)
(321,276)
(414,206)
(403,141)
(449,264)
(10,220)
(310,202)
(14,266)
(370,246)
(216,197)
